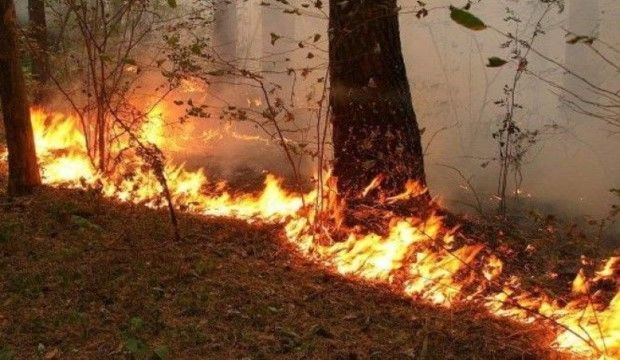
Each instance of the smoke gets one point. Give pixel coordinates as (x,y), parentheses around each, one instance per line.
(574,162)
(569,170)
(239,151)
(243,150)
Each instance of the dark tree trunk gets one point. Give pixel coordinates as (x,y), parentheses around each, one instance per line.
(38,32)
(375,131)
(23,168)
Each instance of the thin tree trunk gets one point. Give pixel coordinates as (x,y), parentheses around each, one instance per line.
(38,32)
(23,169)
(375,132)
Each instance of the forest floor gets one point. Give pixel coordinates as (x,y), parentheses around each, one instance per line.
(84,277)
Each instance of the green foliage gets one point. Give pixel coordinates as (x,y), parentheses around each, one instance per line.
(134,344)
(28,285)
(67,212)
(615,208)
(161,352)
(130,61)
(61,210)
(6,353)
(172,3)
(274,37)
(204,266)
(581,39)
(466,19)
(6,232)
(495,61)
(84,224)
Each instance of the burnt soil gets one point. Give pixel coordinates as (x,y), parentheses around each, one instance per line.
(87,278)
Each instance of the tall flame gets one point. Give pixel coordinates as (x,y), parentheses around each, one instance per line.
(415,255)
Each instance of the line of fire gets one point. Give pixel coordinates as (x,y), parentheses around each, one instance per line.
(307,179)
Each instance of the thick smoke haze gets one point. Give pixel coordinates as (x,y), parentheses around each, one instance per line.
(574,162)
(570,168)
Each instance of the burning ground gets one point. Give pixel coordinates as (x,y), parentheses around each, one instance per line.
(91,278)
(459,277)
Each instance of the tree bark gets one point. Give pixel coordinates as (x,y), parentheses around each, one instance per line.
(38,32)
(375,132)
(23,169)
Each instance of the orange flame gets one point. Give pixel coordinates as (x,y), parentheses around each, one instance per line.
(375,183)
(412,189)
(415,254)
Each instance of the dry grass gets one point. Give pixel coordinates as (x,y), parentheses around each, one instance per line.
(83,277)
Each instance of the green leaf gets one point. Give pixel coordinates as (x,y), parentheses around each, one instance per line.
(581,38)
(162,352)
(84,223)
(6,353)
(135,346)
(105,57)
(466,19)
(274,38)
(496,62)
(136,324)
(196,49)
(219,72)
(6,234)
(172,3)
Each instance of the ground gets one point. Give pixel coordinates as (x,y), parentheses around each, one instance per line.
(86,278)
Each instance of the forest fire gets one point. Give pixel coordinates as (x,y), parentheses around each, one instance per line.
(417,257)
(389,104)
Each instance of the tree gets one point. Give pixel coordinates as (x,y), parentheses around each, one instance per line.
(375,132)
(23,169)
(38,32)
(111,33)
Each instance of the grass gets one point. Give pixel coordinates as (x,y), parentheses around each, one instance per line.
(82,277)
